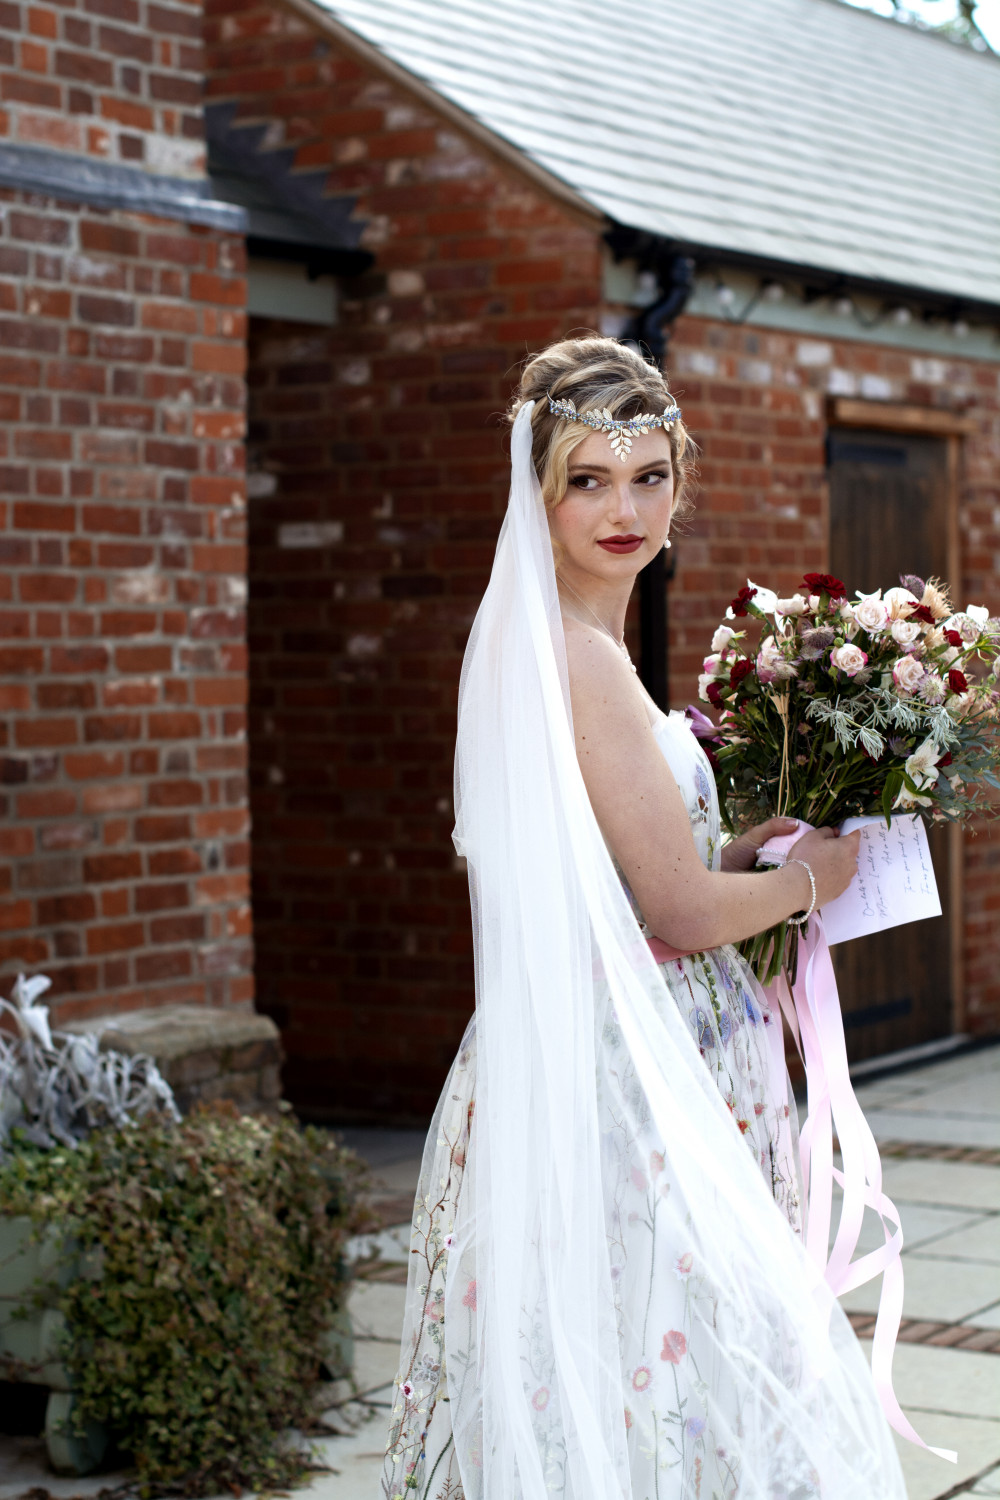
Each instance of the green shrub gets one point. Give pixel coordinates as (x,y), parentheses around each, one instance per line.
(219,1243)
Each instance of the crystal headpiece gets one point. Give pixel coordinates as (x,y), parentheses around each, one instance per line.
(620,433)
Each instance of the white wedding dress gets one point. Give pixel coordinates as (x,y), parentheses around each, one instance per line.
(672,1450)
(608,1295)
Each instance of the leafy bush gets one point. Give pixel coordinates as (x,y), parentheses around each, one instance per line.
(218,1243)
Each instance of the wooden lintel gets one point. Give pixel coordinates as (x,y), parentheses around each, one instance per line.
(887,416)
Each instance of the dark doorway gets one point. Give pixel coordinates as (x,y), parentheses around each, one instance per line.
(889,514)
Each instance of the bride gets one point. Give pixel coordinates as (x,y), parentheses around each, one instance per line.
(608,1294)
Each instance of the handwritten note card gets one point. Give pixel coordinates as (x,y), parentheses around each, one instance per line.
(894,884)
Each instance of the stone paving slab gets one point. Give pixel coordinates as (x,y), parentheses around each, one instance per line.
(943,1290)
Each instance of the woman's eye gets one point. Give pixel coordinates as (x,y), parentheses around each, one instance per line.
(653,478)
(583,482)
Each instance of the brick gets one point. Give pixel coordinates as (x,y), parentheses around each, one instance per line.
(36,733)
(97,727)
(47,588)
(162,829)
(119,311)
(101,868)
(14,914)
(120,43)
(229,359)
(175,726)
(162,897)
(71,906)
(32,515)
(115,938)
(55,695)
(94,764)
(78,658)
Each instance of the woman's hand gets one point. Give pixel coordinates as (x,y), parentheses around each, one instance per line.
(833,858)
(740,855)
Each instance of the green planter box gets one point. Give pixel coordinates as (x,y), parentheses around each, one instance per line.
(31,1337)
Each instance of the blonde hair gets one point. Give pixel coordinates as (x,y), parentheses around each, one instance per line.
(594,373)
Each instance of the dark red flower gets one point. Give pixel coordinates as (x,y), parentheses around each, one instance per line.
(711,756)
(953,638)
(740,668)
(922,613)
(957,681)
(825,583)
(739,604)
(945,760)
(714,694)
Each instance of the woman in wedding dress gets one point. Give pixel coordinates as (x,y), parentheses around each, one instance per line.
(608,1294)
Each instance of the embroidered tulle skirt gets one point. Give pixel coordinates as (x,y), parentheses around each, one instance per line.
(673,1452)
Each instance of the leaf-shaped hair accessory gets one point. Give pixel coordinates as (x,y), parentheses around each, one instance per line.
(621,431)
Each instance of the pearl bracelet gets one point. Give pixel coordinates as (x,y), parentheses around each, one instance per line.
(798,921)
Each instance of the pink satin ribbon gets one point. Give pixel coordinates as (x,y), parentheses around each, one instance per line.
(812,1010)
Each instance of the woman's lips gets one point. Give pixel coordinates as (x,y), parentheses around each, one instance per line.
(620,544)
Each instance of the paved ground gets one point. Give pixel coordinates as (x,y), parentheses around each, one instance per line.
(939,1130)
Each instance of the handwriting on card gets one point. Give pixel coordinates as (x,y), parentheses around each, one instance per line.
(895,881)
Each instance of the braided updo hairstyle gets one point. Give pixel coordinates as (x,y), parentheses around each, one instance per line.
(594,373)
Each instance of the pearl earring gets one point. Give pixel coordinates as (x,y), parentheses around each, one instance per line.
(667,543)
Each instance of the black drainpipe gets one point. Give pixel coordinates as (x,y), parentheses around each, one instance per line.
(650,331)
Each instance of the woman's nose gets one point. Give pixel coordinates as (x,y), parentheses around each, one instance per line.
(622,505)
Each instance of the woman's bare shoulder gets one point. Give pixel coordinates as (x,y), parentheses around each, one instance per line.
(602,684)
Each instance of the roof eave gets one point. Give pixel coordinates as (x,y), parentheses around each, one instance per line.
(822,279)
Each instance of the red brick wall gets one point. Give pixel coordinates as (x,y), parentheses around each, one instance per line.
(756,404)
(122,658)
(385,429)
(114,79)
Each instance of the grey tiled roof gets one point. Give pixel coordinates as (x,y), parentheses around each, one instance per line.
(802,131)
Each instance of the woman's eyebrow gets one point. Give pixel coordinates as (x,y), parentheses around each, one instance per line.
(575,469)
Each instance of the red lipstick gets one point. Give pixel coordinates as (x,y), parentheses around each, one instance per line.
(620,545)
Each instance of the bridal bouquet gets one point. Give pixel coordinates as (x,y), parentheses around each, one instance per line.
(833,707)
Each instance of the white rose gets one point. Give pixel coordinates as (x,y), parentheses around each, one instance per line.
(704,679)
(978,613)
(813,603)
(849,659)
(722,637)
(796,605)
(907,673)
(715,666)
(870,612)
(899,602)
(904,632)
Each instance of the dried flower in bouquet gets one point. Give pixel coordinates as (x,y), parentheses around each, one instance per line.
(835,707)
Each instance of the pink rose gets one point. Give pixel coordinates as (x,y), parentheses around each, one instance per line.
(908,674)
(848,659)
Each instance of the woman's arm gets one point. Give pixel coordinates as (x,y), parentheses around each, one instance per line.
(644,819)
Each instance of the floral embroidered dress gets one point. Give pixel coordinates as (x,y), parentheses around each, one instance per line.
(661,1305)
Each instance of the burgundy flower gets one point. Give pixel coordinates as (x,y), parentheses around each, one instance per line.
(922,613)
(714,694)
(825,583)
(945,760)
(739,604)
(740,668)
(953,638)
(957,681)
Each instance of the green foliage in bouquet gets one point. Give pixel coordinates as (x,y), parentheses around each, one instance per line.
(841,708)
(219,1248)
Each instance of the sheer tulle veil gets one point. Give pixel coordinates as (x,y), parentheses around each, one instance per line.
(546,1305)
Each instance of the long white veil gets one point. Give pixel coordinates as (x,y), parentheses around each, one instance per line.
(614,1233)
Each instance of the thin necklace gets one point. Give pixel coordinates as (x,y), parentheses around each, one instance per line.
(619,643)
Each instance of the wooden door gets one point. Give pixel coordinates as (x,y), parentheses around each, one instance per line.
(889,514)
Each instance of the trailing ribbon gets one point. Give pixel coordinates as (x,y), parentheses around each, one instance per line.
(812,1010)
